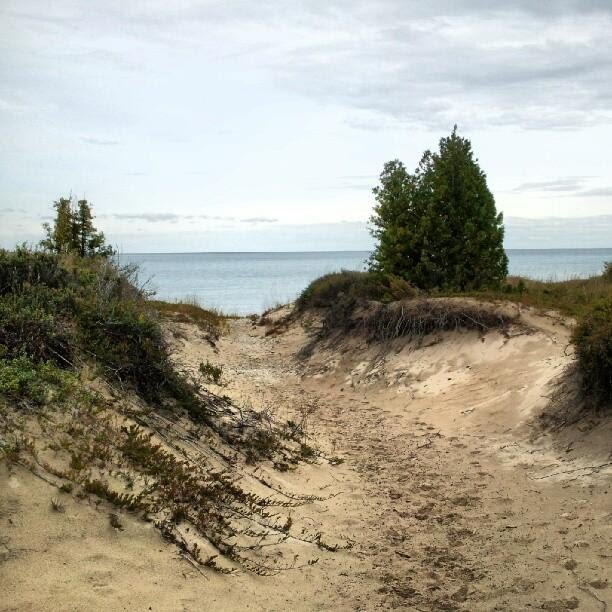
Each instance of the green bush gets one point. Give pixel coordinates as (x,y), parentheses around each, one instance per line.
(30,324)
(126,342)
(211,373)
(22,379)
(60,311)
(350,286)
(22,268)
(593,341)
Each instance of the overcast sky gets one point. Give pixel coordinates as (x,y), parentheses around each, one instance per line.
(263,125)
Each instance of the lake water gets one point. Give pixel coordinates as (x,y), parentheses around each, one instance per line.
(244,283)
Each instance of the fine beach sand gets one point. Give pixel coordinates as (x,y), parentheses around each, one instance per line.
(451,493)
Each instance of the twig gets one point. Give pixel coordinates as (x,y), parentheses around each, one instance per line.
(588,467)
(193,563)
(604,605)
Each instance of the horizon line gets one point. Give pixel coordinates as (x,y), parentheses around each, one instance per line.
(335,251)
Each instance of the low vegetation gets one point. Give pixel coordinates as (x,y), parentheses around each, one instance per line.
(419,317)
(91,401)
(593,341)
(211,373)
(573,297)
(189,310)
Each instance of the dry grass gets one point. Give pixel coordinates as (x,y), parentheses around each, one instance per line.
(419,317)
(190,310)
(572,297)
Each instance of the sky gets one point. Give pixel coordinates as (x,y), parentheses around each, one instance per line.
(240,125)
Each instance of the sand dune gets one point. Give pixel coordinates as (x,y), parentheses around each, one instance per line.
(452,492)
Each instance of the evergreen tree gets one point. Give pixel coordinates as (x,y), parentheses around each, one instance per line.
(438,227)
(73,231)
(60,237)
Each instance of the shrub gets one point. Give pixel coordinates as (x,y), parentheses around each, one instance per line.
(350,286)
(607,272)
(22,268)
(593,341)
(210,372)
(23,380)
(128,343)
(29,324)
(55,309)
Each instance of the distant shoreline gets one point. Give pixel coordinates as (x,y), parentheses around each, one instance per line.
(513,250)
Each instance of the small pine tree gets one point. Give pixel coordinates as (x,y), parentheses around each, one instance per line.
(73,231)
(438,227)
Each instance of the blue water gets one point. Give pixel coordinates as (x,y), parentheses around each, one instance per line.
(244,283)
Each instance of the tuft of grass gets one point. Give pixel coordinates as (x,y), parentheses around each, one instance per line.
(211,373)
(189,310)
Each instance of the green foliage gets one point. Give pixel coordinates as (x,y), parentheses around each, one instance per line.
(438,227)
(22,380)
(342,292)
(30,324)
(125,341)
(73,231)
(607,272)
(22,268)
(211,373)
(325,290)
(593,341)
(103,491)
(60,310)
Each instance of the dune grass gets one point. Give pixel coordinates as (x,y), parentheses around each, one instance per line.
(189,310)
(573,297)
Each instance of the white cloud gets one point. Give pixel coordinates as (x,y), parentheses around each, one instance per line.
(204,113)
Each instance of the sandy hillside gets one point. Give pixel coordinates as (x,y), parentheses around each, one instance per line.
(436,482)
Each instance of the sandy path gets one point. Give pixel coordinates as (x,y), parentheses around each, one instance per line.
(442,501)
(449,504)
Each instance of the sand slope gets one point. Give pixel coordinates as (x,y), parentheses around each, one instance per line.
(450,496)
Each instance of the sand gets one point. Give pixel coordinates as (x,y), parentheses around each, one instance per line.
(450,494)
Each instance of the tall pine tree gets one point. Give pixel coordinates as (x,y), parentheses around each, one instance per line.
(439,227)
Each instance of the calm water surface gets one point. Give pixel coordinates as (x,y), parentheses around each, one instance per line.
(245,283)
